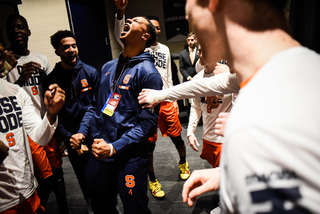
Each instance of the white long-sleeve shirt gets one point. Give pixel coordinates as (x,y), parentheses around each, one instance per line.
(225,83)
(209,116)
(161,55)
(17,119)
(271,156)
(118,27)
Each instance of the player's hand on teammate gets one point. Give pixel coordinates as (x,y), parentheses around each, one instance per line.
(4,151)
(54,100)
(101,149)
(221,122)
(144,98)
(221,68)
(76,140)
(199,182)
(27,70)
(193,142)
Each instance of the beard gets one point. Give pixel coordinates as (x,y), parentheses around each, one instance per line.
(68,62)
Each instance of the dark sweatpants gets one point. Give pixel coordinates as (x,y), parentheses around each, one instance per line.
(108,179)
(79,164)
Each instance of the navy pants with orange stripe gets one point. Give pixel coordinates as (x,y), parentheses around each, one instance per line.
(108,179)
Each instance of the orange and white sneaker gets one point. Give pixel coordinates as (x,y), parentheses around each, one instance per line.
(155,188)
(184,170)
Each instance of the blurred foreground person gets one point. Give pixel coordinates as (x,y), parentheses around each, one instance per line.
(271,140)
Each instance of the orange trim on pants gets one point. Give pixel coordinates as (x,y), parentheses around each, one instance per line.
(211,152)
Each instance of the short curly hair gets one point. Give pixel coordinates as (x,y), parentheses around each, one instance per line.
(56,38)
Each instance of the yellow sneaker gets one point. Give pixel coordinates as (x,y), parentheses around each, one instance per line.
(155,188)
(184,170)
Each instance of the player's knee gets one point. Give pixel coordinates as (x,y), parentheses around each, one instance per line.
(178,142)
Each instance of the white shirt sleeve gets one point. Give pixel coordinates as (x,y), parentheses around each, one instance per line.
(195,114)
(118,26)
(199,67)
(170,82)
(225,83)
(39,130)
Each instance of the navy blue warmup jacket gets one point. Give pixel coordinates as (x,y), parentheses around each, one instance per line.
(129,128)
(80,85)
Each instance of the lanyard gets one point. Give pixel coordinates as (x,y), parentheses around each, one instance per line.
(113,87)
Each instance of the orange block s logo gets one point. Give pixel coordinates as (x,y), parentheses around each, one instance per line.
(126,78)
(130,183)
(10,139)
(84,83)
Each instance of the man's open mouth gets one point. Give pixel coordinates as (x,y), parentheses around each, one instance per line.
(72,58)
(126,29)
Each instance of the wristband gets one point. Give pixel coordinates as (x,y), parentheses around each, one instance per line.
(111,150)
(4,73)
(7,66)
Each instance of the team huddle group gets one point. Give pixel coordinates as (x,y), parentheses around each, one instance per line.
(108,119)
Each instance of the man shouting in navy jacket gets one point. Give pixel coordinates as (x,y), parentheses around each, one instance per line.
(120,127)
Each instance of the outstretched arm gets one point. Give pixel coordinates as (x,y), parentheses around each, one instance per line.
(225,83)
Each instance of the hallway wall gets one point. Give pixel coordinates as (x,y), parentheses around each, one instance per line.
(45,17)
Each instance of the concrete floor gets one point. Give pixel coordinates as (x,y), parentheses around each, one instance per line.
(166,160)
